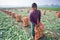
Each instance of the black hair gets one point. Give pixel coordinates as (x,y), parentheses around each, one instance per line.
(34,5)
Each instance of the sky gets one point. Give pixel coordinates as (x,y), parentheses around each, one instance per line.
(21,3)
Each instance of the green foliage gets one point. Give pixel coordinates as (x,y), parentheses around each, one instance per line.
(9,30)
(54,9)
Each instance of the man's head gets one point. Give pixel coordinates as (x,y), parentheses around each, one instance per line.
(34,6)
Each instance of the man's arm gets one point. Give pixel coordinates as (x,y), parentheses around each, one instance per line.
(39,16)
(32,19)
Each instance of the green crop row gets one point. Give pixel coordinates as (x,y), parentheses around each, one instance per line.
(54,9)
(9,30)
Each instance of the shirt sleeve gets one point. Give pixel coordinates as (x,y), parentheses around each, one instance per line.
(39,16)
(31,18)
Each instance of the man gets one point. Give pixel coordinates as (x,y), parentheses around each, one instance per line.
(35,17)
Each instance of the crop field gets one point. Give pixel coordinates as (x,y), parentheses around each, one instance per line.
(12,30)
(9,30)
(55,9)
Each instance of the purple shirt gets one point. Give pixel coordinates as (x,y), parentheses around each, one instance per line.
(35,16)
